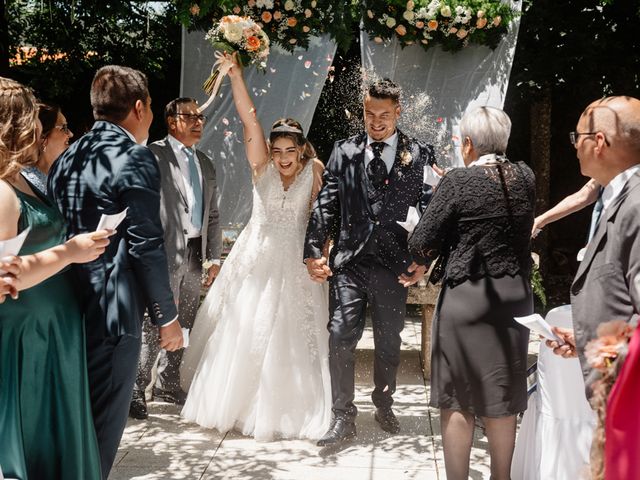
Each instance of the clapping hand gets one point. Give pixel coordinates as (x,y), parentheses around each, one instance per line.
(416,273)
(11,268)
(566,349)
(318,269)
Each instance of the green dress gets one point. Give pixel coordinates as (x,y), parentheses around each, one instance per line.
(46,425)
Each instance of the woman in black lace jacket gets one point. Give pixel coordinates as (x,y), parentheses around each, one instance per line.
(479,225)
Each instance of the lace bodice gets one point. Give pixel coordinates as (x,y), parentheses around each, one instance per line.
(481,217)
(282,212)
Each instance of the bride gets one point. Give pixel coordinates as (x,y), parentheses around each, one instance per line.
(258,359)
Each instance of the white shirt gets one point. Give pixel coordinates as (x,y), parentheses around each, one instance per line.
(388,153)
(615,186)
(183,161)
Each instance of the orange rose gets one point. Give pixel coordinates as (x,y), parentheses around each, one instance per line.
(292,22)
(481,22)
(277,15)
(432,24)
(194,10)
(401,30)
(253,44)
(266,16)
(419,24)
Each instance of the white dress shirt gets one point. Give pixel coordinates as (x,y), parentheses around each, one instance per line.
(183,161)
(388,154)
(615,186)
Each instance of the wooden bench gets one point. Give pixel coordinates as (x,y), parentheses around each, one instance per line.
(425,294)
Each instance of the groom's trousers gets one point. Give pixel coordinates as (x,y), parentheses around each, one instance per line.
(352,288)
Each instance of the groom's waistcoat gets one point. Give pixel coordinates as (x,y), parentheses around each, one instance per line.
(342,210)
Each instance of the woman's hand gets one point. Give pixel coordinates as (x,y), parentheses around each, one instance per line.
(87,247)
(538,224)
(236,70)
(10,271)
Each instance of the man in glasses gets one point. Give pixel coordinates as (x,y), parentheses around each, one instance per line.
(607,141)
(189,213)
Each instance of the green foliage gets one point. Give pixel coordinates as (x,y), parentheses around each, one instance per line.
(288,23)
(56,47)
(537,285)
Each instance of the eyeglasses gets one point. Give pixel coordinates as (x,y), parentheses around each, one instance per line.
(192,117)
(64,128)
(573,137)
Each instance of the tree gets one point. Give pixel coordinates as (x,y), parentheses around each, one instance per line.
(57,46)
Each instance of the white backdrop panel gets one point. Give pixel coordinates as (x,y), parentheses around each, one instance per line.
(290,87)
(438,86)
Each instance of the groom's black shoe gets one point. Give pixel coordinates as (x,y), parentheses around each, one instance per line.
(387,420)
(171,396)
(138,406)
(341,429)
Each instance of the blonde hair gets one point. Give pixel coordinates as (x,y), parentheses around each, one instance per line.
(18,128)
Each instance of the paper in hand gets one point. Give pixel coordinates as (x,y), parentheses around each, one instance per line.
(538,325)
(430,176)
(185,337)
(111,222)
(413,217)
(13,245)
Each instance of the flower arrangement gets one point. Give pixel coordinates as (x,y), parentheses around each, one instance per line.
(287,23)
(453,24)
(605,354)
(234,34)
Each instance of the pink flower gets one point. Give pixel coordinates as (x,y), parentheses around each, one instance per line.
(194,10)
(401,30)
(236,10)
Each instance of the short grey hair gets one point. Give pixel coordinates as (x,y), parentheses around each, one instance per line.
(488,128)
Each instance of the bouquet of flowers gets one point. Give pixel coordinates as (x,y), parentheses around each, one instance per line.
(234,34)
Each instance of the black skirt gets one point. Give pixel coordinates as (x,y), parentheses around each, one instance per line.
(479,352)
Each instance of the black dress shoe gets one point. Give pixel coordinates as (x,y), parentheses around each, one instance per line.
(342,429)
(171,396)
(138,407)
(387,420)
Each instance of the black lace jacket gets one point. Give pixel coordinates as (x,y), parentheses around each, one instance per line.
(479,220)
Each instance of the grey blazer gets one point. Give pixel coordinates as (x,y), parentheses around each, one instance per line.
(603,289)
(174,210)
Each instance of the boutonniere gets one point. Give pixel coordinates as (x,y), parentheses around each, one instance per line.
(405,158)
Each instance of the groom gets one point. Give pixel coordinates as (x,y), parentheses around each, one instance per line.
(370,182)
(105,172)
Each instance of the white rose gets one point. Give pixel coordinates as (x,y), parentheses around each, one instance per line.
(409,15)
(289,5)
(313,4)
(445,11)
(233,32)
(410,5)
(391,22)
(480,13)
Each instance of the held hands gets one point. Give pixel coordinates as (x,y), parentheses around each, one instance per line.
(11,268)
(171,337)
(568,348)
(318,269)
(86,247)
(212,274)
(416,271)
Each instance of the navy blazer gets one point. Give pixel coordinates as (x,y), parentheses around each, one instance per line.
(342,210)
(106,172)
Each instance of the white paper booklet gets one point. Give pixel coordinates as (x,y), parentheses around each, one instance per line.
(13,245)
(430,176)
(538,325)
(413,217)
(111,222)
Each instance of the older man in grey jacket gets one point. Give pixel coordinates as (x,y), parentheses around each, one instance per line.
(189,215)
(607,140)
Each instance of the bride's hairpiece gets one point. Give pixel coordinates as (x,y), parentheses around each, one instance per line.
(287,129)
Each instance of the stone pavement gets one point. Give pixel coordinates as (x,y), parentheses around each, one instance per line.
(166,447)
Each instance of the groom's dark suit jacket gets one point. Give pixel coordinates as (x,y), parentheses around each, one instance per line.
(342,210)
(106,172)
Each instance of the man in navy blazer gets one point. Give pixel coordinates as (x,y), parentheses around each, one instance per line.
(106,172)
(370,182)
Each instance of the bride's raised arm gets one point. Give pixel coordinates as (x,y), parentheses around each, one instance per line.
(254,140)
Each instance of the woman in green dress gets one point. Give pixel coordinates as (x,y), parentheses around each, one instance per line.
(46,427)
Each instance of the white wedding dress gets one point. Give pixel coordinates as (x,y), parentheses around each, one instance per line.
(258,358)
